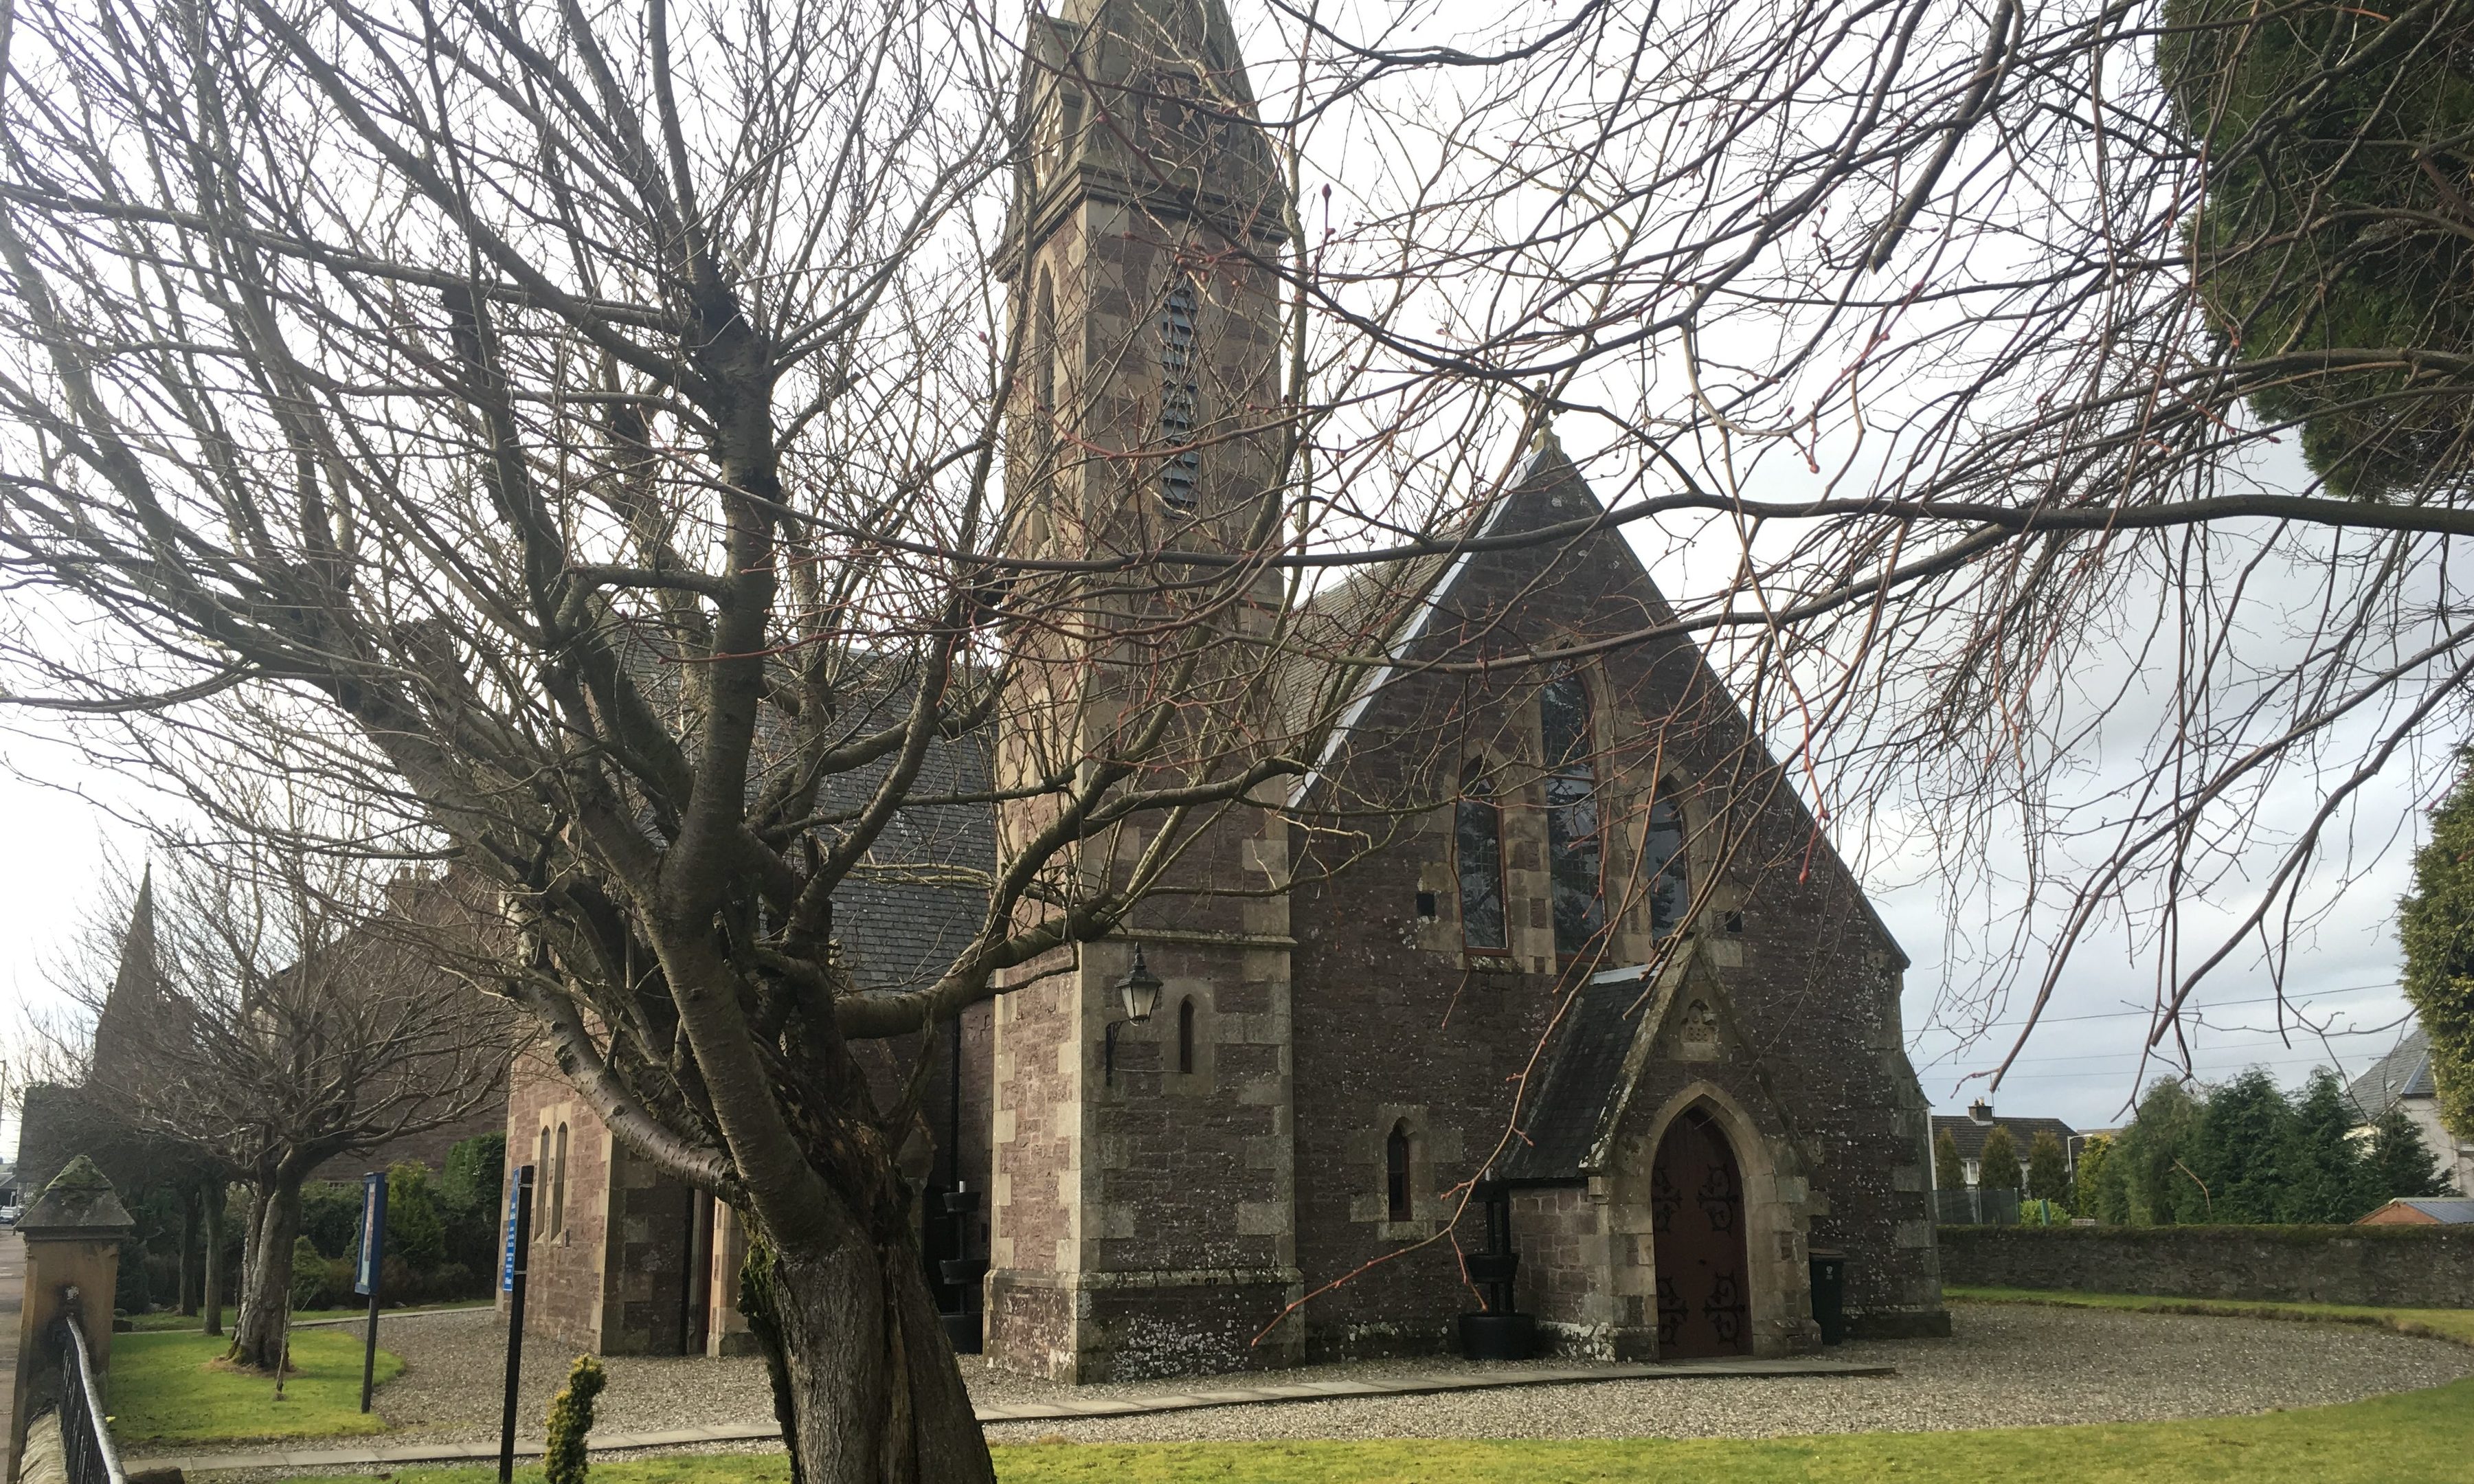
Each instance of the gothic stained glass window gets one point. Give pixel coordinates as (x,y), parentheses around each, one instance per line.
(1478,838)
(1662,860)
(1178,397)
(1575,845)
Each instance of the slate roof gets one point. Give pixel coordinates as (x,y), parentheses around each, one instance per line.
(2405,1072)
(912,905)
(1969,1134)
(899,925)
(2447,1210)
(1565,1122)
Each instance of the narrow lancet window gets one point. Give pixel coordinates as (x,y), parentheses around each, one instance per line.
(1185,1036)
(1478,851)
(558,1185)
(1178,396)
(1395,1172)
(1575,842)
(1043,345)
(1661,853)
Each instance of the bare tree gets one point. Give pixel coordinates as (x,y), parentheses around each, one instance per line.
(271,1011)
(586,433)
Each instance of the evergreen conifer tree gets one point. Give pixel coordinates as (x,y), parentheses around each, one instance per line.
(2436,928)
(2322,1167)
(2049,1169)
(1949,1173)
(2151,1149)
(2240,1147)
(2099,1189)
(1997,1168)
(2399,1163)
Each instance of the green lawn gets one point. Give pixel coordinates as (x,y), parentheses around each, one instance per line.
(150,1323)
(165,1388)
(2426,1436)
(2456,1324)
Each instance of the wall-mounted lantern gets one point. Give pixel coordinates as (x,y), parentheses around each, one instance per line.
(1139,992)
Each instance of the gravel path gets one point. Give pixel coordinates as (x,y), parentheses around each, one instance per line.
(2006,1366)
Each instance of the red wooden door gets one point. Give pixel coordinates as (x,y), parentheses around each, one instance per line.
(1696,1202)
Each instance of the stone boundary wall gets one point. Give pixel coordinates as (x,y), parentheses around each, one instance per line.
(2416,1267)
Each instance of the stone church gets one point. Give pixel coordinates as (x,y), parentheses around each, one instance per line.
(1561,1012)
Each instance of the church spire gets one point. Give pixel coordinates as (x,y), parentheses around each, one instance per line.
(137,977)
(1145,104)
(130,1013)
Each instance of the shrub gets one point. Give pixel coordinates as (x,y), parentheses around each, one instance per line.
(315,1280)
(469,1195)
(571,1423)
(330,1216)
(414,1231)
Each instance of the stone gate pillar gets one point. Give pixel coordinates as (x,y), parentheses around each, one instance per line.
(73,1234)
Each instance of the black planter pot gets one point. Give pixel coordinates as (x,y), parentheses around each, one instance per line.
(1499,1337)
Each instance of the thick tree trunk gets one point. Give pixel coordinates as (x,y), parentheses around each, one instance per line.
(266,1291)
(211,1280)
(863,1374)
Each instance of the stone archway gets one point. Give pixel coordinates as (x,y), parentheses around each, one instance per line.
(1698,1218)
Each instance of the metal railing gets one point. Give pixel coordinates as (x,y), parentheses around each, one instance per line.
(1973,1205)
(85,1443)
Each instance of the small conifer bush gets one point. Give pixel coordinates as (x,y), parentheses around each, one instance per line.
(570,1422)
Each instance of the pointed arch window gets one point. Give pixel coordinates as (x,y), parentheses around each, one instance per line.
(558,1185)
(1396,1204)
(1178,395)
(1477,837)
(1575,838)
(1185,1035)
(1662,862)
(1043,343)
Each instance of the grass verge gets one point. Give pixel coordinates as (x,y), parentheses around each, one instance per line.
(2426,1436)
(167,1388)
(2456,1324)
(162,1323)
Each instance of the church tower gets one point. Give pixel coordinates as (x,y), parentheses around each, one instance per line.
(1141,1215)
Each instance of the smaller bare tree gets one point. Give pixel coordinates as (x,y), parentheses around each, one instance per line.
(297,1012)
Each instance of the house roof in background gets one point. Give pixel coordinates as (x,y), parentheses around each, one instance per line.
(2447,1210)
(2403,1073)
(1969,1134)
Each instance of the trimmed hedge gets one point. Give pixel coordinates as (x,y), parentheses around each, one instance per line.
(2414,1267)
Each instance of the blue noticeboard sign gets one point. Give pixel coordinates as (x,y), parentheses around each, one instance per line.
(507,1245)
(365,1269)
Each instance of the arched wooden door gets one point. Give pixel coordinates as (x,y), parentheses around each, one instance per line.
(1696,1203)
